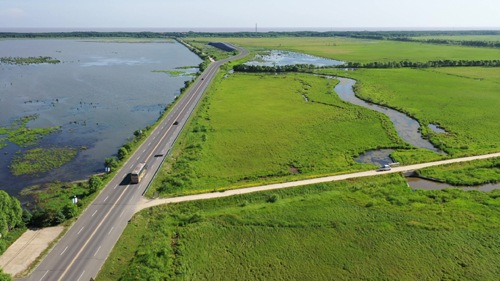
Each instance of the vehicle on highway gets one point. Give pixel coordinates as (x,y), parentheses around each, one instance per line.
(384,168)
(176,123)
(139,172)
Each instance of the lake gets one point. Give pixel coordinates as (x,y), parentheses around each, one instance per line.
(100,93)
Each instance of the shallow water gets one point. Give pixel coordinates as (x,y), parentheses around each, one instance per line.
(108,89)
(419,183)
(436,129)
(276,57)
(376,157)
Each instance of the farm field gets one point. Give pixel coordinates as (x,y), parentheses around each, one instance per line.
(360,50)
(461,104)
(368,228)
(259,128)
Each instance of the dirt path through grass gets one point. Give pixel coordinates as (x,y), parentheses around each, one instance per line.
(146,203)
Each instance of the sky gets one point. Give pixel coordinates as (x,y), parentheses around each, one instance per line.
(208,14)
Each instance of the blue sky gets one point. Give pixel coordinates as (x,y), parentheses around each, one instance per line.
(234,13)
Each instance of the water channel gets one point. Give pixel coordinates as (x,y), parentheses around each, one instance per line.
(419,183)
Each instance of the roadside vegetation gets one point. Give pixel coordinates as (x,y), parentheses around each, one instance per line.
(259,128)
(470,173)
(366,228)
(12,225)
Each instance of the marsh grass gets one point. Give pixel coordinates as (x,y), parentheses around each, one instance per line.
(455,99)
(366,228)
(37,161)
(258,128)
(465,173)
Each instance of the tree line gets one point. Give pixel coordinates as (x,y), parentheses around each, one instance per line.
(278,68)
(436,63)
(379,35)
(471,43)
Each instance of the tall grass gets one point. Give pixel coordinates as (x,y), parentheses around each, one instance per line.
(367,228)
(259,128)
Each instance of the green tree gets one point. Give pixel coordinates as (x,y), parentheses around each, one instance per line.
(128,146)
(95,183)
(110,162)
(4,276)
(26,217)
(122,153)
(70,210)
(60,217)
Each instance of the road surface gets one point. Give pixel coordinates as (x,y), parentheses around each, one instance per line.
(80,254)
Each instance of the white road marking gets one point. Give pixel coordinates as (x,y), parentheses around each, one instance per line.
(154,137)
(149,144)
(121,214)
(105,199)
(81,230)
(94,213)
(97,250)
(80,276)
(138,157)
(144,150)
(131,166)
(64,250)
(111,230)
(115,186)
(44,275)
(131,199)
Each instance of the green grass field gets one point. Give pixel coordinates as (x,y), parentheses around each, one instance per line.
(258,128)
(466,173)
(456,99)
(213,52)
(365,229)
(352,50)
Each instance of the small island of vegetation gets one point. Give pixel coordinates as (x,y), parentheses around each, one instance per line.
(28,60)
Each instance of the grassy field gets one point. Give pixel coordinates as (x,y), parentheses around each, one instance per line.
(365,229)
(466,173)
(453,98)
(360,51)
(259,128)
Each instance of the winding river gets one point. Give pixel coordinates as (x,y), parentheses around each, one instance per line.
(406,127)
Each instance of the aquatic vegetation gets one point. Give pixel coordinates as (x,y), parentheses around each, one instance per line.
(36,161)
(175,73)
(19,134)
(28,60)
(186,67)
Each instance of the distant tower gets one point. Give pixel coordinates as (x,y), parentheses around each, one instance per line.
(255,27)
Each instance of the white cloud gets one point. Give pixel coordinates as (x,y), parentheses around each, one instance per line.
(12,13)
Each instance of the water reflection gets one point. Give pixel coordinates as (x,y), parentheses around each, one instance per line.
(276,57)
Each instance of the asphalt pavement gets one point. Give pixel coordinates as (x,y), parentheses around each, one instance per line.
(80,254)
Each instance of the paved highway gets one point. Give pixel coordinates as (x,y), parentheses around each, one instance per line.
(80,254)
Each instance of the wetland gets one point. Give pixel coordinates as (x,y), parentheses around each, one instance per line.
(86,106)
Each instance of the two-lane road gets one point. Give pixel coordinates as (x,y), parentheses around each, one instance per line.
(80,254)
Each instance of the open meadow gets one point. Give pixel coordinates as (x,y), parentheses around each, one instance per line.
(364,50)
(462,101)
(260,128)
(364,229)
